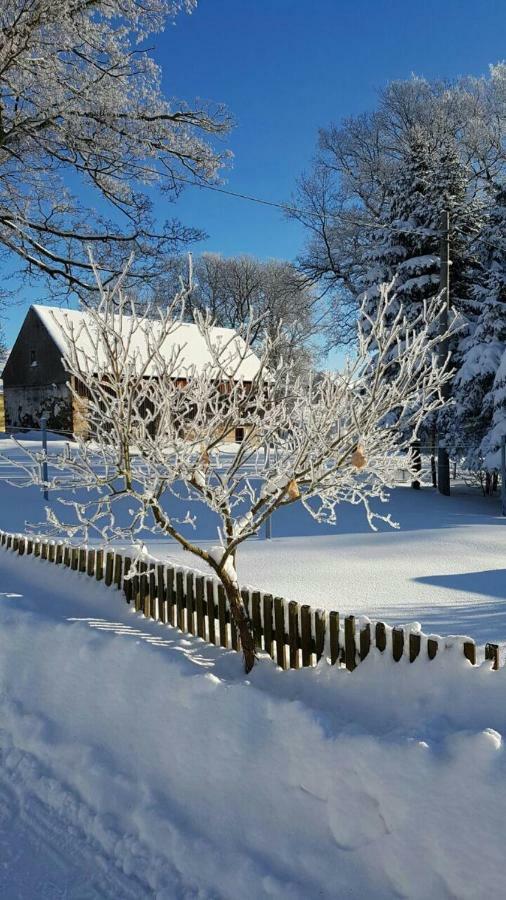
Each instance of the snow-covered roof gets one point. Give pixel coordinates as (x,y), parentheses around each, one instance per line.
(186,336)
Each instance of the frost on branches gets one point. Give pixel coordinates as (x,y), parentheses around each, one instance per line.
(158,428)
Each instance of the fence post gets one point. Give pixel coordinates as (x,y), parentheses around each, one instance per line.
(43,428)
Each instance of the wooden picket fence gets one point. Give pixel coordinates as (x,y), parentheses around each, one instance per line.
(292,634)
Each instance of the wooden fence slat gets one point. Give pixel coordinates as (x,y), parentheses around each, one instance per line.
(381,636)
(320,628)
(365,640)
(350,648)
(109,563)
(211,611)
(470,652)
(415,642)
(152,593)
(127,582)
(256,618)
(190,603)
(397,643)
(170,595)
(141,595)
(43,549)
(431,648)
(222,616)
(234,634)
(162,594)
(293,633)
(118,570)
(74,559)
(90,568)
(180,600)
(279,624)
(50,554)
(306,637)
(334,637)
(492,653)
(268,630)
(99,564)
(199,605)
(82,559)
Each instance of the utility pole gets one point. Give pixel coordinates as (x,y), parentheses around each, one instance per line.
(443,462)
(43,428)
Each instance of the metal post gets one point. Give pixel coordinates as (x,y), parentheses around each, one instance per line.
(503,474)
(43,428)
(443,461)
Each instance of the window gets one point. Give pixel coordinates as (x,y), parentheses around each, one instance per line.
(239,435)
(33,357)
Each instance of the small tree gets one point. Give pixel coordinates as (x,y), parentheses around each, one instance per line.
(157,428)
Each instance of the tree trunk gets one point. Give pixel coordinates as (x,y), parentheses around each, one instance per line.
(242,621)
(417,464)
(433,468)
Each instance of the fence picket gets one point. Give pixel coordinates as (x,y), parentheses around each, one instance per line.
(180,604)
(470,652)
(161,594)
(350,648)
(492,653)
(222,616)
(397,643)
(170,593)
(365,640)
(268,631)
(256,618)
(211,612)
(306,635)
(279,625)
(320,628)
(199,604)
(127,582)
(415,643)
(190,603)
(109,563)
(334,637)
(431,648)
(293,633)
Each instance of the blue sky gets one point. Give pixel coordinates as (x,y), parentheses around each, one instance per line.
(284,68)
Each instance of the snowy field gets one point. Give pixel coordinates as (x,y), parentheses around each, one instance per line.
(445,567)
(136,762)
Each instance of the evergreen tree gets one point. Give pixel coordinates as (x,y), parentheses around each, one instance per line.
(489,351)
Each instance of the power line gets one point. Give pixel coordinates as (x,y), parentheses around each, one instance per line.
(251,198)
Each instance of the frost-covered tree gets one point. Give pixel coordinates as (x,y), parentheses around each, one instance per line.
(481,384)
(157,429)
(83,124)
(350,199)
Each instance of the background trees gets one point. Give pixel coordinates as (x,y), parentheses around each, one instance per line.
(372,206)
(82,115)
(231,288)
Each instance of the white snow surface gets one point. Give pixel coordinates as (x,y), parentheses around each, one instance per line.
(194,350)
(136,763)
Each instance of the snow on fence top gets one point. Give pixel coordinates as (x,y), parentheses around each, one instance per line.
(185,337)
(293,635)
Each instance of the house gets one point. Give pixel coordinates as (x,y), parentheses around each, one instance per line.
(36,382)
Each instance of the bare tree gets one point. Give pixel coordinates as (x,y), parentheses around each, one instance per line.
(82,114)
(231,289)
(158,427)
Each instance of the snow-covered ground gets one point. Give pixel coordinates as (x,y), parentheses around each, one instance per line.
(445,567)
(136,763)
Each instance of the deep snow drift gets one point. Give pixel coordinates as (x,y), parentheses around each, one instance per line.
(136,762)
